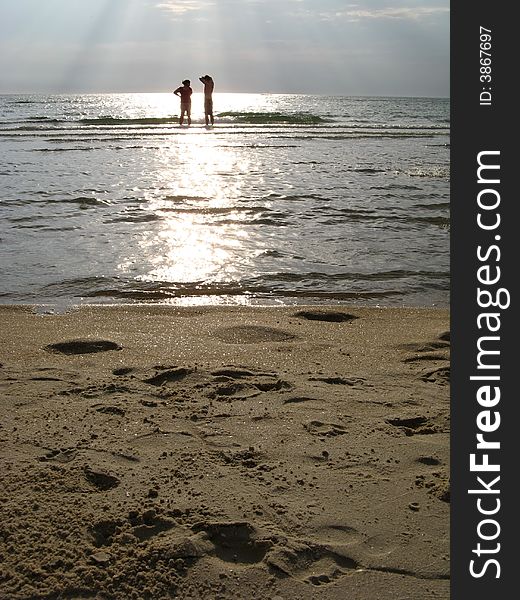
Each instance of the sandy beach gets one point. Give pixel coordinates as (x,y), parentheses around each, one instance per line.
(225,453)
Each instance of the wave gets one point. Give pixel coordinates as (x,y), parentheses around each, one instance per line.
(82,201)
(74,149)
(25,101)
(435,206)
(390,287)
(113,288)
(443,222)
(315,276)
(432,171)
(368,170)
(135,218)
(217,210)
(265,118)
(107,120)
(98,285)
(236,292)
(285,132)
(44,120)
(34,127)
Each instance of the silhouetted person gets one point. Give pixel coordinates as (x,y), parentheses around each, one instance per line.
(209,84)
(185,92)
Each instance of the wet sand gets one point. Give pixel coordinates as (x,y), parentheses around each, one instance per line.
(225,453)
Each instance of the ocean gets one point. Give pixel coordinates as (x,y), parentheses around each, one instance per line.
(288,199)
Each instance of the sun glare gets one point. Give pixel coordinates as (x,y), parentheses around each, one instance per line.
(196,230)
(200,195)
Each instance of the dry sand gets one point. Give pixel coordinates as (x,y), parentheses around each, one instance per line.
(225,453)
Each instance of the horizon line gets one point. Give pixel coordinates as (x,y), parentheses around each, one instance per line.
(332,94)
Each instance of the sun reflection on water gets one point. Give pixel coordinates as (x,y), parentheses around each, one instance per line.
(200,236)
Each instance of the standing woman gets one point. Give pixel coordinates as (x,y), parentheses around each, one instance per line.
(185,92)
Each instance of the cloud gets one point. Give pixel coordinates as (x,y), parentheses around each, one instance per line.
(307,9)
(402,13)
(181,7)
(353,12)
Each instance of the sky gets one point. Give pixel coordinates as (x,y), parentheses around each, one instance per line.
(369,47)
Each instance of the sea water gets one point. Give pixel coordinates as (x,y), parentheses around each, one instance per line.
(289,199)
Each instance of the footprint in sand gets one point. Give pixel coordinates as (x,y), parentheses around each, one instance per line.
(441,343)
(430,461)
(419,425)
(242,383)
(300,400)
(235,542)
(325,429)
(173,374)
(426,358)
(352,381)
(440,376)
(100,479)
(235,390)
(232,373)
(309,562)
(436,484)
(63,455)
(142,526)
(81,346)
(111,410)
(123,371)
(329,316)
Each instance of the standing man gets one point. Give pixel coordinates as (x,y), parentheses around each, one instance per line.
(185,92)
(208,98)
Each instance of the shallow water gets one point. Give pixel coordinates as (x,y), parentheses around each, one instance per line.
(288,199)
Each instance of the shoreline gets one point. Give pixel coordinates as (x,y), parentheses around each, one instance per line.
(226,452)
